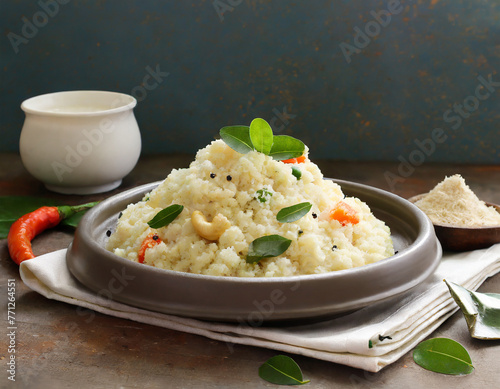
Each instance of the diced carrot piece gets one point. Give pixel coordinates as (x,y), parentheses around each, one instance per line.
(344,214)
(300,159)
(151,240)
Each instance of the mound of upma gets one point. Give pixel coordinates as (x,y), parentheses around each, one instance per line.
(226,202)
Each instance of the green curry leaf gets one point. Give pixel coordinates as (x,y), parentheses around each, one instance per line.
(166,216)
(266,247)
(281,370)
(442,355)
(237,137)
(293,213)
(286,147)
(261,135)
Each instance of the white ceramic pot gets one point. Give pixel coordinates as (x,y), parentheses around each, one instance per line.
(80,142)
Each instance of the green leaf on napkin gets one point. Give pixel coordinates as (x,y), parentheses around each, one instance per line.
(442,355)
(281,370)
(481,311)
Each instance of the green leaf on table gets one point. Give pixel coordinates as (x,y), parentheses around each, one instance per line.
(442,355)
(281,370)
(266,247)
(293,213)
(73,221)
(481,311)
(261,135)
(286,147)
(165,216)
(237,137)
(13,207)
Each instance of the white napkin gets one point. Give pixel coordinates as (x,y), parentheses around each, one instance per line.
(370,338)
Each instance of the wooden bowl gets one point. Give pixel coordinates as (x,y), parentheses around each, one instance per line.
(456,238)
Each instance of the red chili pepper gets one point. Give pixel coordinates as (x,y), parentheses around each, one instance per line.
(300,159)
(151,240)
(24,229)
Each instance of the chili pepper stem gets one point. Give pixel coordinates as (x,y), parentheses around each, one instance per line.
(66,211)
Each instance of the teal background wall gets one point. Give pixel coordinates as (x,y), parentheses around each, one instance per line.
(350,95)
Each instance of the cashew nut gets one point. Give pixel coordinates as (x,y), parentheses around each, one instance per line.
(209,231)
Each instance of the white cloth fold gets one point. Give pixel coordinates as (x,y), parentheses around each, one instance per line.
(369,338)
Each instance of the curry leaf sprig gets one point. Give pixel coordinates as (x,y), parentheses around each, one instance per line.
(259,137)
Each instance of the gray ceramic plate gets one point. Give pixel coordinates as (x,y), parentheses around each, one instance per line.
(255,300)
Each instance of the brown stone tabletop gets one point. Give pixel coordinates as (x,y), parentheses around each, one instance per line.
(60,346)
